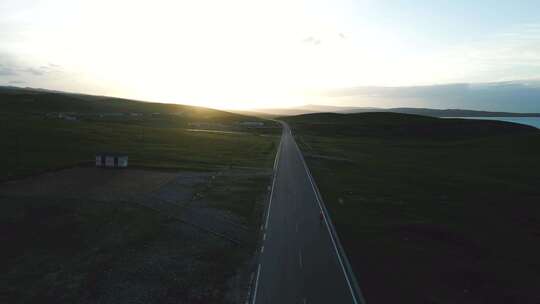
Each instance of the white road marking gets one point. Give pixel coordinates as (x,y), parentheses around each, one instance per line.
(269,204)
(327,226)
(256,284)
(278,153)
(250,284)
(264,236)
(273,184)
(300,258)
(267,216)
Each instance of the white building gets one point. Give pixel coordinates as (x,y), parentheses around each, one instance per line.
(111,160)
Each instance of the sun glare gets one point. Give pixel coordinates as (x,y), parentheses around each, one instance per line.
(226,54)
(243,53)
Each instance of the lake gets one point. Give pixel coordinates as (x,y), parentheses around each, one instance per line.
(531,121)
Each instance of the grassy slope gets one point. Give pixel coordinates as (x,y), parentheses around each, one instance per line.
(25,101)
(34,143)
(431,210)
(68,250)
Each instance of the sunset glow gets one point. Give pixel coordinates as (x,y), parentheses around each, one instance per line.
(246,54)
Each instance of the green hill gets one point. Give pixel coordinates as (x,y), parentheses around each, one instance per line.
(441,210)
(29,101)
(383,124)
(43,130)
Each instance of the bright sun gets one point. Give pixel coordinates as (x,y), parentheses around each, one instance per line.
(225,54)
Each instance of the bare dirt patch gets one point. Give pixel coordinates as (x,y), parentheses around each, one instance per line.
(95,183)
(130,236)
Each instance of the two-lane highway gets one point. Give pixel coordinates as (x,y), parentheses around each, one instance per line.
(299,262)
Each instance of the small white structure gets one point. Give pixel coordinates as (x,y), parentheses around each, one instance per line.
(111,160)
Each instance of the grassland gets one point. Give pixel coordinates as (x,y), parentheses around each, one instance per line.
(185,234)
(36,141)
(34,144)
(431,210)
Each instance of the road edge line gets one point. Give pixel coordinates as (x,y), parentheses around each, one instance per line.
(342,256)
(274,174)
(276,160)
(256,283)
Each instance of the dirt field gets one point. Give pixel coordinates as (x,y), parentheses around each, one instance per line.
(130,236)
(95,183)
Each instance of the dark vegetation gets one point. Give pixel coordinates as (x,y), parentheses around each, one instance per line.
(80,249)
(84,250)
(392,125)
(29,101)
(159,135)
(307,109)
(431,210)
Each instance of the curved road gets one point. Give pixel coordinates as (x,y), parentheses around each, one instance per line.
(299,262)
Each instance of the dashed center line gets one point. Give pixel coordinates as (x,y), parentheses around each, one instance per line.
(300,258)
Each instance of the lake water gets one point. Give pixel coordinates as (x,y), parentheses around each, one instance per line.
(531,121)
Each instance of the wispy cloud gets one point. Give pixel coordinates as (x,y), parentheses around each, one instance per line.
(521,96)
(11,67)
(513,54)
(34,71)
(16,82)
(14,71)
(7,71)
(312,40)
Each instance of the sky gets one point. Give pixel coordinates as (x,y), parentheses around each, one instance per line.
(251,53)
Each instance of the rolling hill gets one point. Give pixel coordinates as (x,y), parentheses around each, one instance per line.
(388,124)
(36,101)
(44,130)
(309,109)
(441,210)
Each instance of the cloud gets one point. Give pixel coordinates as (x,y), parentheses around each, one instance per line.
(513,54)
(511,96)
(7,71)
(10,67)
(16,82)
(34,71)
(50,67)
(312,40)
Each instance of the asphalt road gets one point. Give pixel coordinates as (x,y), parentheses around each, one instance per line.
(299,262)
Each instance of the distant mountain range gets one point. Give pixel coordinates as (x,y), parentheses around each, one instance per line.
(507,96)
(520,98)
(525,95)
(307,109)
